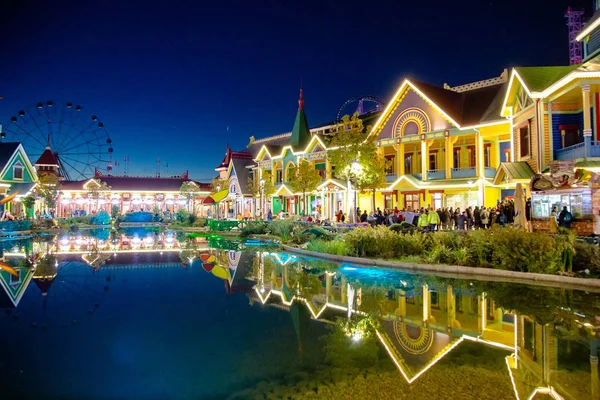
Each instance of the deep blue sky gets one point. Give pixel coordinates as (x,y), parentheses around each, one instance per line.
(167,78)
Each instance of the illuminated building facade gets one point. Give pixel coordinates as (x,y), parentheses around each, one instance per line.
(130,194)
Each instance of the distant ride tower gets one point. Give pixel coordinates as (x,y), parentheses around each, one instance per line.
(574,23)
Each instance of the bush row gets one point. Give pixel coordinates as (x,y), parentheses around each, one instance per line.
(502,248)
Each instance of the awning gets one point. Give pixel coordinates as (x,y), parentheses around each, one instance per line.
(216,197)
(21,188)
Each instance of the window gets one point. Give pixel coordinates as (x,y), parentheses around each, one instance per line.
(433,161)
(507,155)
(408,164)
(390,162)
(579,203)
(322,169)
(456,158)
(486,155)
(388,203)
(436,199)
(524,141)
(472,156)
(411,202)
(18,171)
(279,175)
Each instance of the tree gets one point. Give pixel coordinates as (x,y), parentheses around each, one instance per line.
(350,143)
(218,184)
(373,176)
(304,179)
(267,190)
(97,191)
(47,188)
(189,190)
(28,203)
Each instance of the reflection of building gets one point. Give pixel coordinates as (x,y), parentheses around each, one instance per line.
(14,280)
(421,324)
(130,194)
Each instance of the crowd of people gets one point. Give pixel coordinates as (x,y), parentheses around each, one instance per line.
(445,218)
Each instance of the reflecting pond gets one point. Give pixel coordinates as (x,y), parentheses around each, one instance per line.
(145,314)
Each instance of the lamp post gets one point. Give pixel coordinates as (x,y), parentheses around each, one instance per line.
(262,190)
(353,170)
(218,205)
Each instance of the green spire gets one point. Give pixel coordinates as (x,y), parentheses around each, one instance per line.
(300,132)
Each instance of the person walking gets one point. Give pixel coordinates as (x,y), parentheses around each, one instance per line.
(434,220)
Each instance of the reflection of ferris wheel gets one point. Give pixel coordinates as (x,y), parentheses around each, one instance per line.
(361,105)
(78,139)
(76,293)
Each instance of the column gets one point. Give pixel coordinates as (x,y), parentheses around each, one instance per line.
(328,173)
(426,303)
(399,159)
(594,377)
(479,167)
(587,123)
(424,158)
(344,290)
(450,306)
(449,157)
(401,311)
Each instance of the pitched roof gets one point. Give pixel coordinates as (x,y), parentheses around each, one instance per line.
(300,132)
(466,108)
(125,183)
(519,170)
(7,149)
(47,158)
(242,174)
(538,79)
(230,154)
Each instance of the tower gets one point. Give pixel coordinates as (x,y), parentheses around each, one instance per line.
(574,23)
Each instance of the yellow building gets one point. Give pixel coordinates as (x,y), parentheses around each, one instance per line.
(443,145)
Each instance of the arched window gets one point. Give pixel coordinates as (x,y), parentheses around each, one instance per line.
(412,121)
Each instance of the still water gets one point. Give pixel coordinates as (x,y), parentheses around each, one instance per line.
(155,315)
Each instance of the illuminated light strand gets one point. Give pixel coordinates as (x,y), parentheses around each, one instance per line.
(546,390)
(588,29)
(512,378)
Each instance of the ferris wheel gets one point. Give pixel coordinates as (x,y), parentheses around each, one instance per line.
(77,138)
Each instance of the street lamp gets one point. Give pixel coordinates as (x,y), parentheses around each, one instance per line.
(262,191)
(218,205)
(353,170)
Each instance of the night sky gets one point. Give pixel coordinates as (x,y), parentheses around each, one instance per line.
(169,78)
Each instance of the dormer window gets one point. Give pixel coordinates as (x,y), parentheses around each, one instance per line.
(18,171)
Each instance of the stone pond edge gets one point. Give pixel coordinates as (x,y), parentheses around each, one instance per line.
(525,277)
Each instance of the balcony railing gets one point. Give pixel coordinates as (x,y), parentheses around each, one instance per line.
(489,172)
(436,174)
(464,172)
(572,152)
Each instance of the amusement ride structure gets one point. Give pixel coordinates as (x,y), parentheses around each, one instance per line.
(78,139)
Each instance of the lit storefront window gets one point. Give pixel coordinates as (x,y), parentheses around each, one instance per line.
(578,202)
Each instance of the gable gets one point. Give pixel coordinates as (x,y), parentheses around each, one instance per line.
(412,114)
(14,280)
(19,158)
(521,100)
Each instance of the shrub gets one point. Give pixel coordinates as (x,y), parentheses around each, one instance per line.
(200,222)
(101,218)
(191,219)
(115,211)
(587,256)
(337,247)
(480,246)
(137,216)
(517,250)
(282,228)
(181,215)
(254,228)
